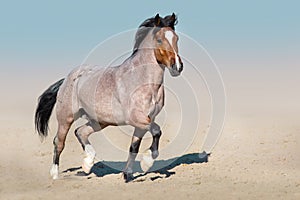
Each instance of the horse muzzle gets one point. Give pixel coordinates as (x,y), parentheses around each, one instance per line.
(175,70)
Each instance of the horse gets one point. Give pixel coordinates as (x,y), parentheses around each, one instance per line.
(128,94)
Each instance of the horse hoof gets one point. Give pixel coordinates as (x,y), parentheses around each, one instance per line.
(54,171)
(127,177)
(155,154)
(147,161)
(88,161)
(87,164)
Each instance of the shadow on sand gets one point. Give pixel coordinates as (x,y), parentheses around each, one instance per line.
(162,167)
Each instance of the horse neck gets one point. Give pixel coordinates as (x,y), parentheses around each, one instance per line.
(145,65)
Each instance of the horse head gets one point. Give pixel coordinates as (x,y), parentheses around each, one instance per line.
(166,50)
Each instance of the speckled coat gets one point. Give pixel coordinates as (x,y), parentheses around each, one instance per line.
(131,93)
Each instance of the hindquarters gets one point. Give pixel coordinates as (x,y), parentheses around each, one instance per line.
(68,107)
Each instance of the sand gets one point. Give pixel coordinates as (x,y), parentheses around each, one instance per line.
(257,156)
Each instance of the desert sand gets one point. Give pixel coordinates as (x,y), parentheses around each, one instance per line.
(256,157)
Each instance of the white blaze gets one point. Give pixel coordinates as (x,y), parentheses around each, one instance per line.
(169,35)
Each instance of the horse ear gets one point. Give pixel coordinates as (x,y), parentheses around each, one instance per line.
(157,20)
(173,19)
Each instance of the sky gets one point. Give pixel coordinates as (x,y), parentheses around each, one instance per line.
(59,34)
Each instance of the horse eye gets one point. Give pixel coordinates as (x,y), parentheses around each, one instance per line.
(159,41)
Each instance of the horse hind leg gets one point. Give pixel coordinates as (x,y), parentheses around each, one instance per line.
(82,133)
(59,144)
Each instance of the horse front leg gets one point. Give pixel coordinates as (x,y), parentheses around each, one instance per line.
(152,153)
(133,151)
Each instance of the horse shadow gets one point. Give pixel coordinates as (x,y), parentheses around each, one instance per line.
(161,167)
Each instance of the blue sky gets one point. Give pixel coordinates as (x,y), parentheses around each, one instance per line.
(59,34)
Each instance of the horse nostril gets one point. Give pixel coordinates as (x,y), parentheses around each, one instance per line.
(181,67)
(174,66)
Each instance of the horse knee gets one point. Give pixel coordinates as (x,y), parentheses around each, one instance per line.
(78,134)
(155,130)
(82,134)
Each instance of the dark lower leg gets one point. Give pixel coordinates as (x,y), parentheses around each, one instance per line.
(59,143)
(58,148)
(156,133)
(154,146)
(133,151)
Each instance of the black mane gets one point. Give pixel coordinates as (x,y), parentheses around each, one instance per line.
(157,21)
(167,21)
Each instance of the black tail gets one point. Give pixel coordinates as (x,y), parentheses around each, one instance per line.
(45,106)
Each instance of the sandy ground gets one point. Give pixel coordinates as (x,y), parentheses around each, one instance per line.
(257,156)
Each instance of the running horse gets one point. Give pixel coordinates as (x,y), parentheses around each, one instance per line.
(129,94)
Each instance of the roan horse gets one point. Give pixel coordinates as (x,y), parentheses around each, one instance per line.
(129,94)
